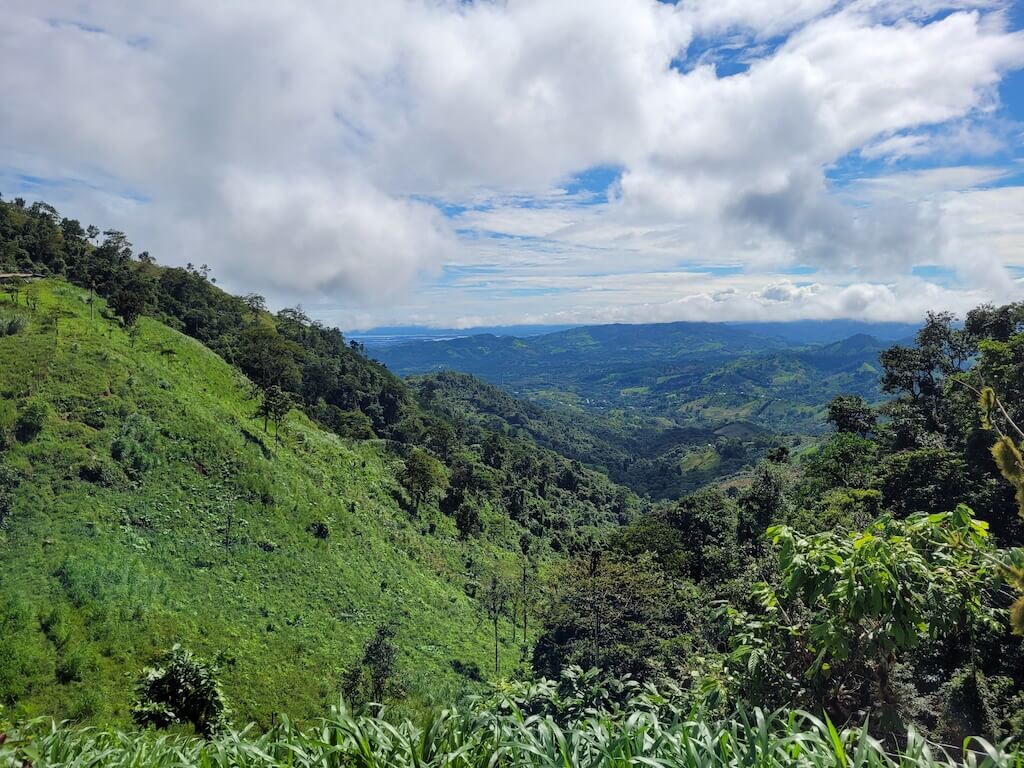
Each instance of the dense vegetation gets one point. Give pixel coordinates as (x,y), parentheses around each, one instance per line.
(855,580)
(663,409)
(210,513)
(651,456)
(580,721)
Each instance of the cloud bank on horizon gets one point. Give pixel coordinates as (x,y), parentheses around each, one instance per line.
(528,161)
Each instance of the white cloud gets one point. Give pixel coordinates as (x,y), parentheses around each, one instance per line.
(293,147)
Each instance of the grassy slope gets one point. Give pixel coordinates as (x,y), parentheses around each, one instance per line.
(95,577)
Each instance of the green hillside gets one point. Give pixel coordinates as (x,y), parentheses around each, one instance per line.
(153,509)
(653,456)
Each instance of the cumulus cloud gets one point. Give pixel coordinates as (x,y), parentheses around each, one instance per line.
(346,152)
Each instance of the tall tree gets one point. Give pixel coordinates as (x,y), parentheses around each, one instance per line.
(423,475)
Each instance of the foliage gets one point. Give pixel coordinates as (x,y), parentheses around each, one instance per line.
(135,445)
(9,479)
(583,720)
(615,612)
(1005,451)
(871,596)
(845,460)
(12,326)
(924,480)
(708,523)
(274,405)
(183,689)
(763,502)
(423,475)
(850,413)
(372,679)
(31,419)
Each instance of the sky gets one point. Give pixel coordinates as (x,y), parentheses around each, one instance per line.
(455,164)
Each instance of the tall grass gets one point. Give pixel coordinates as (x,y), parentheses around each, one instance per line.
(529,726)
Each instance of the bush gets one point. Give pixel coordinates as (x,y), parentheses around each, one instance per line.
(11,326)
(8,417)
(183,689)
(102,471)
(30,421)
(134,444)
(73,664)
(372,679)
(319,529)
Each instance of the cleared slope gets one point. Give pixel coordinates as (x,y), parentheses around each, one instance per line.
(102,565)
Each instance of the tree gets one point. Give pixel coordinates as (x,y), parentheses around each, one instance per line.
(32,293)
(763,502)
(372,678)
(941,350)
(495,600)
(923,480)
(131,300)
(423,475)
(13,286)
(707,522)
(274,405)
(269,359)
(612,611)
(182,689)
(255,303)
(876,594)
(850,413)
(845,460)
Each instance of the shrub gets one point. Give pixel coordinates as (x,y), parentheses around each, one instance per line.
(30,421)
(134,444)
(102,471)
(372,679)
(319,529)
(72,665)
(11,326)
(183,689)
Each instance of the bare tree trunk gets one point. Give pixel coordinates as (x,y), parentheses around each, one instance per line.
(497,667)
(525,604)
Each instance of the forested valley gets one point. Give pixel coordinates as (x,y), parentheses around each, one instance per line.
(213,515)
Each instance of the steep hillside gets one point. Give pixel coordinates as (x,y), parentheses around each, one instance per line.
(150,508)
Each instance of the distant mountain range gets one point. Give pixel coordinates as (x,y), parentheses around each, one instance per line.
(776,375)
(386,336)
(795,332)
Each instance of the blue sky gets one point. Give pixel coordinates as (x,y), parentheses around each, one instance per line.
(457,164)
